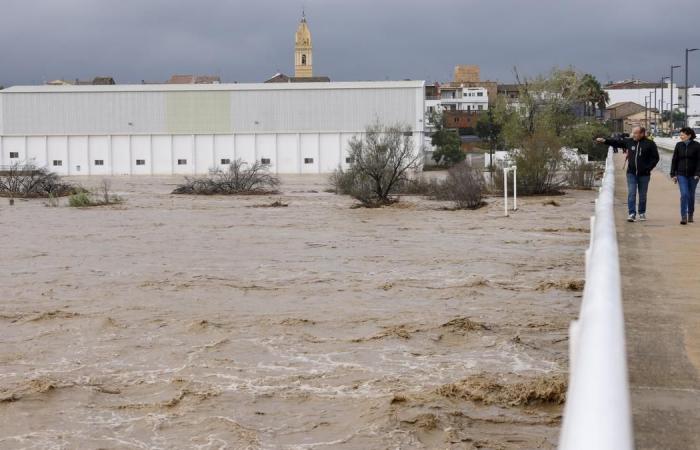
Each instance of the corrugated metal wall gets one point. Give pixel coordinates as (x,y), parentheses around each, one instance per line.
(50,113)
(202,111)
(322,110)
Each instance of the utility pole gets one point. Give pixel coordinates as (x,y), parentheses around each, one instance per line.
(671,95)
(685,119)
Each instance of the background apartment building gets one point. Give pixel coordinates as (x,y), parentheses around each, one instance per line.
(460,101)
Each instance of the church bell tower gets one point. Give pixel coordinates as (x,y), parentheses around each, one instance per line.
(303,59)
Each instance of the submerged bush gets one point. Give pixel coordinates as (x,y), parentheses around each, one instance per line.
(464,186)
(98,197)
(240,179)
(581,174)
(29,181)
(419,186)
(80,200)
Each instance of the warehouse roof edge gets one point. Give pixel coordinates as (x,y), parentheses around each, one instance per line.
(215,87)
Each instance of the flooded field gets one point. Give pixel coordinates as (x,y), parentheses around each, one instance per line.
(182,322)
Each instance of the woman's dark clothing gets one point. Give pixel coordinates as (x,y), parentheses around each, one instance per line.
(686,159)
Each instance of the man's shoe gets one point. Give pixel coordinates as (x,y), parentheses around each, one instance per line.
(684,220)
(631,218)
(642,217)
(690,218)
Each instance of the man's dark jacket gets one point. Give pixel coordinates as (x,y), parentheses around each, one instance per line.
(642,155)
(686,160)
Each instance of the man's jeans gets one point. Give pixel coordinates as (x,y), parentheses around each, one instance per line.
(687,186)
(637,183)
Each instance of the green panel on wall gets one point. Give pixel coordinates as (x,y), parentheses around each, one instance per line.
(198,112)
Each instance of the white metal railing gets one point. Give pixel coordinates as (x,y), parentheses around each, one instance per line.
(667,143)
(597,411)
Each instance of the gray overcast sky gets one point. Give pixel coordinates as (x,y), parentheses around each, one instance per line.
(248,41)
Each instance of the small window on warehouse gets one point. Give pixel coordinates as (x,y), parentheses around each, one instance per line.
(140,162)
(265,161)
(57,163)
(225,161)
(14,155)
(308,160)
(181,162)
(99,162)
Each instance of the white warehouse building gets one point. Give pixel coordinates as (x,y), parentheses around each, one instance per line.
(189,129)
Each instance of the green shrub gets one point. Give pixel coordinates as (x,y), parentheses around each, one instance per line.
(448,147)
(80,200)
(539,162)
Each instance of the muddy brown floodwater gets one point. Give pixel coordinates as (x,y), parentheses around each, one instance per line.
(203,322)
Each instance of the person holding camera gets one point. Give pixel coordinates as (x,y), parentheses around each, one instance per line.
(685,171)
(642,157)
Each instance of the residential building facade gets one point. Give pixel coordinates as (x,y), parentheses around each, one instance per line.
(641,92)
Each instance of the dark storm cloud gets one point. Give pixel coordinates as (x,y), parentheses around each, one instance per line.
(136,40)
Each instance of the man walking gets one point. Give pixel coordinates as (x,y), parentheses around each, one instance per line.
(642,157)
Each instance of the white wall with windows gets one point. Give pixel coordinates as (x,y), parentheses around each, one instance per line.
(144,130)
(179,154)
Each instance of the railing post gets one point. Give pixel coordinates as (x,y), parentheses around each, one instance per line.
(505,191)
(515,188)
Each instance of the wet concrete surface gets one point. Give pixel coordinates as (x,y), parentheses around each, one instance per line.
(660,263)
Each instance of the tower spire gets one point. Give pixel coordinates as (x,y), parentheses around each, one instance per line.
(303,49)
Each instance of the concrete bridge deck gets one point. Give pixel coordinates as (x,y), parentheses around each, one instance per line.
(660,263)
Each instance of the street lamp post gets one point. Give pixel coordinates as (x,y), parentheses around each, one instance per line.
(656,111)
(671,95)
(646,112)
(687,50)
(662,98)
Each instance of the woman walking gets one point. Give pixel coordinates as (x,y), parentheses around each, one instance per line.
(685,171)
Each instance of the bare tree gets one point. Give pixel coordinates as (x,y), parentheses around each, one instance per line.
(105,187)
(381,160)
